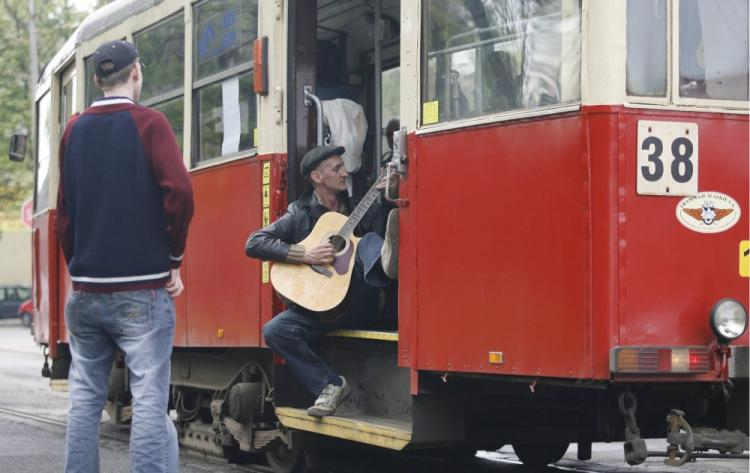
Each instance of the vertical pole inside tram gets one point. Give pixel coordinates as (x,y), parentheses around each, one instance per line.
(378,88)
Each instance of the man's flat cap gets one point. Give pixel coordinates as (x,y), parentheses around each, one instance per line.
(113,56)
(316,156)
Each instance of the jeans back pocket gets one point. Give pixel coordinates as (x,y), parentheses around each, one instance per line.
(133,311)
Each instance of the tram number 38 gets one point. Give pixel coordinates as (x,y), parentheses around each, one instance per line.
(667,161)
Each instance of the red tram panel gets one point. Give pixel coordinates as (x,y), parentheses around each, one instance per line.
(45,268)
(522,248)
(222,292)
(671,276)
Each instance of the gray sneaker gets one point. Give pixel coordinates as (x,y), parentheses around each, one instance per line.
(389,252)
(330,399)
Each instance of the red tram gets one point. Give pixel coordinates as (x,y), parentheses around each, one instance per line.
(573,215)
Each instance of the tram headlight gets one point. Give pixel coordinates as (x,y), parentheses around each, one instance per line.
(728,320)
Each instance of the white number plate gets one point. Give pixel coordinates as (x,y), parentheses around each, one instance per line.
(667,161)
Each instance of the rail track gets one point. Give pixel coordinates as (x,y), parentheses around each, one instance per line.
(489,462)
(123,437)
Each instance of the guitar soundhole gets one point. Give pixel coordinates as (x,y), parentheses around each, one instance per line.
(337,242)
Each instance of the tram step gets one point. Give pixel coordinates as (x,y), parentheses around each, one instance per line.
(381,432)
(366,334)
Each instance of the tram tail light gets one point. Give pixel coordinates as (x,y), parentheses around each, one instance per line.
(644,360)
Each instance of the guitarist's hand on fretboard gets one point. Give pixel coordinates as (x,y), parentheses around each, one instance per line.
(321,254)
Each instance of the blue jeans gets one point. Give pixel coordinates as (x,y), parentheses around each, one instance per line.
(291,333)
(141,324)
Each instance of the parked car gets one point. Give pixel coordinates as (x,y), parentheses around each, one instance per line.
(25,312)
(11,299)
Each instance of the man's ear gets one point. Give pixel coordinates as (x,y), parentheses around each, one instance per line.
(315,177)
(135,73)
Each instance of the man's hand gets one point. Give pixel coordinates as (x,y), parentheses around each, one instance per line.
(174,285)
(382,182)
(321,254)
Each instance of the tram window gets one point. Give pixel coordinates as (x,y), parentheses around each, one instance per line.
(67,101)
(226,117)
(173,109)
(162,50)
(224,32)
(714,49)
(92,92)
(43,136)
(225,108)
(647,48)
(502,55)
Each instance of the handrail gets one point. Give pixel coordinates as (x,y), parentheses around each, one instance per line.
(310,98)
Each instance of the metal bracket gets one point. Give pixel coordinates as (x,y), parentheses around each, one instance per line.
(279,9)
(635,448)
(399,151)
(677,422)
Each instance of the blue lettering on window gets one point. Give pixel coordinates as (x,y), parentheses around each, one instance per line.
(218,35)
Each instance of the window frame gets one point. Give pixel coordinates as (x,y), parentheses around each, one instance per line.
(502,116)
(38,141)
(673,98)
(216,78)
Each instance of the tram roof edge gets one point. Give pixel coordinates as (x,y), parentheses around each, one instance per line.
(100,20)
(110,15)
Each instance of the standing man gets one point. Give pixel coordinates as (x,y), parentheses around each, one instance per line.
(124,206)
(291,333)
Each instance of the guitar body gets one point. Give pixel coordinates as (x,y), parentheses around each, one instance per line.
(323,289)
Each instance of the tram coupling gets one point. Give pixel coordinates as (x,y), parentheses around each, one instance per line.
(684,443)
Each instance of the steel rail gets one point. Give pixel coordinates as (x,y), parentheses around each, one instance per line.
(126,438)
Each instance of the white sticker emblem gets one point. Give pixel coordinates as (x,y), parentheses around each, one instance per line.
(708,212)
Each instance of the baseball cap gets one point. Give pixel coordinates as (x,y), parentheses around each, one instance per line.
(113,56)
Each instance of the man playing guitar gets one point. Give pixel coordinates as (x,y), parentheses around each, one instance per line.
(291,333)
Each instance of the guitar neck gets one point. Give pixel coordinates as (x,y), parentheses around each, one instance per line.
(364,205)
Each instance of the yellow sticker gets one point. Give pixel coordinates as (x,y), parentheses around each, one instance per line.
(430,113)
(266,217)
(496,358)
(266,173)
(266,195)
(265,273)
(745,258)
(256,137)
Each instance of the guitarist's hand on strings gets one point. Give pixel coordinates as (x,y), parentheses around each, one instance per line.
(321,254)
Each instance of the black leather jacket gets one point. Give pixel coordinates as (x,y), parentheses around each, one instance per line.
(274,241)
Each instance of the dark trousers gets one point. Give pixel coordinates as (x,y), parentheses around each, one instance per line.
(291,333)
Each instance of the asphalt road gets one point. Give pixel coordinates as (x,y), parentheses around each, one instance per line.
(28,445)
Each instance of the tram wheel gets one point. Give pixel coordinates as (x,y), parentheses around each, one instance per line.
(282,459)
(540,454)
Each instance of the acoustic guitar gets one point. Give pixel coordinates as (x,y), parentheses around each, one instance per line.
(322,288)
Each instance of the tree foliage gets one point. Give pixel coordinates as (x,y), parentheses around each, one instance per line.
(55,21)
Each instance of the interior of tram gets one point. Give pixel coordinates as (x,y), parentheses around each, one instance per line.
(350,64)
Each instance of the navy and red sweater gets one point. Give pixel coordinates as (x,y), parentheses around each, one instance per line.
(125,200)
